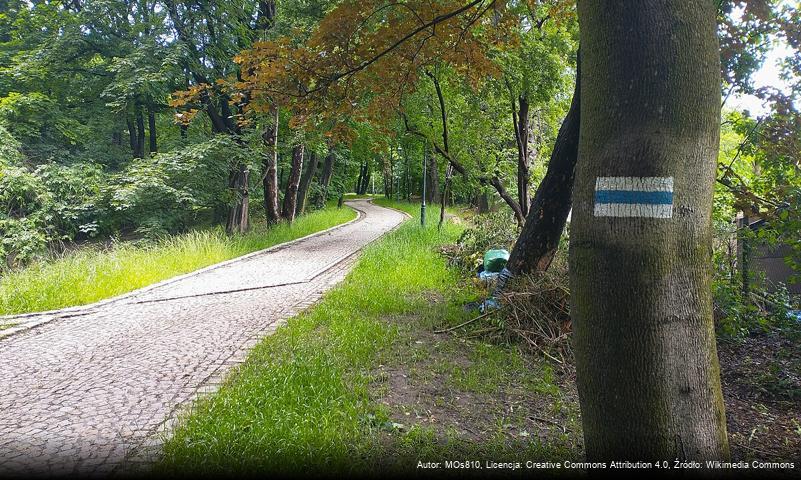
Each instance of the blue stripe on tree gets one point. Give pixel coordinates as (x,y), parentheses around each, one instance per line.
(631,196)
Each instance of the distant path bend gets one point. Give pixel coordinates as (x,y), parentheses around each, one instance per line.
(92,390)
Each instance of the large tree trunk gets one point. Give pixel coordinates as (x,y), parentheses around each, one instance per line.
(306,180)
(151,129)
(291,195)
(270,176)
(325,178)
(640,239)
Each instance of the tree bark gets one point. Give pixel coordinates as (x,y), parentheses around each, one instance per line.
(151,129)
(388,178)
(325,179)
(132,138)
(305,181)
(266,15)
(498,185)
(238,213)
(358,187)
(270,176)
(444,196)
(140,132)
(367,177)
(364,179)
(482,201)
(520,119)
(291,195)
(539,239)
(647,369)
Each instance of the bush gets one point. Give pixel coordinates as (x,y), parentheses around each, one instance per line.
(165,192)
(53,203)
(491,230)
(739,314)
(50,204)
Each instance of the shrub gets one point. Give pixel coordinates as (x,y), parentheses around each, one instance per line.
(491,230)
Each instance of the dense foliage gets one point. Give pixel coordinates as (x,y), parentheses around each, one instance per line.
(144,117)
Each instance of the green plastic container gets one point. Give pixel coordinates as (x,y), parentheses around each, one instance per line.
(495,260)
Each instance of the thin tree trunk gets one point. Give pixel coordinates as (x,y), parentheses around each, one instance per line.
(151,129)
(367,179)
(388,178)
(360,179)
(132,138)
(306,180)
(444,197)
(640,240)
(325,180)
(520,120)
(482,201)
(291,195)
(140,132)
(498,185)
(364,179)
(270,176)
(539,239)
(238,213)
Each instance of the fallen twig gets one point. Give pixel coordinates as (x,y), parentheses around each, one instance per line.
(545,420)
(770,454)
(487,314)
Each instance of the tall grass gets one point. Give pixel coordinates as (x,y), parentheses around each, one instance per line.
(91,274)
(300,403)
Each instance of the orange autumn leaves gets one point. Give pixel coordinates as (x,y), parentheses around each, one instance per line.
(361,60)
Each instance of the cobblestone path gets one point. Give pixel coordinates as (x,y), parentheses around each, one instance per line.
(92,391)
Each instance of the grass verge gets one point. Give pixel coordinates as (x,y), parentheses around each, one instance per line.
(91,274)
(361,384)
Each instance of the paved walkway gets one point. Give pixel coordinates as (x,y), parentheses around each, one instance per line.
(92,392)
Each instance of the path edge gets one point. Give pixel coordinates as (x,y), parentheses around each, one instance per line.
(141,455)
(77,310)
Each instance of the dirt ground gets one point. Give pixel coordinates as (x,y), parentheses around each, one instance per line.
(449,392)
(762,391)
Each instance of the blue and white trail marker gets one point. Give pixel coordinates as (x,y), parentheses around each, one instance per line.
(650,197)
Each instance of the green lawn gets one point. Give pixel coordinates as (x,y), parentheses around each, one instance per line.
(90,274)
(316,395)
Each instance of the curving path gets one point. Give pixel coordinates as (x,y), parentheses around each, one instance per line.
(94,390)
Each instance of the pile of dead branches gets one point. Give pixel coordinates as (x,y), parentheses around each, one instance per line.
(537,310)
